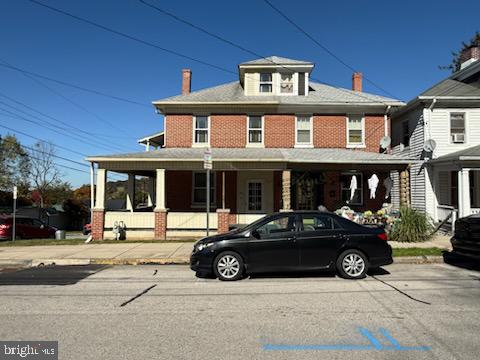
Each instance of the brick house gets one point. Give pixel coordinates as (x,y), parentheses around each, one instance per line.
(279,141)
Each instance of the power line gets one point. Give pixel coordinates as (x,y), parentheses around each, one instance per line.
(327,50)
(40,139)
(16,116)
(130,37)
(78,87)
(68,100)
(48,116)
(56,156)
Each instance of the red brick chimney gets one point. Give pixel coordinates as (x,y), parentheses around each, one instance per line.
(186,81)
(357,81)
(469,55)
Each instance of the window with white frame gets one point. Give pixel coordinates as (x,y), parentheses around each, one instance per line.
(201,127)
(255,194)
(457,128)
(265,82)
(347,183)
(286,83)
(303,130)
(255,130)
(200,188)
(355,130)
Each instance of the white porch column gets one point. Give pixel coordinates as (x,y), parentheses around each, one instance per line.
(464,204)
(100,197)
(131,192)
(151,191)
(160,191)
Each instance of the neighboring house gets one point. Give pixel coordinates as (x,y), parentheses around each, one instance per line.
(441,127)
(279,141)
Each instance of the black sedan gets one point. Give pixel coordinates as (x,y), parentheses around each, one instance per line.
(292,241)
(466,239)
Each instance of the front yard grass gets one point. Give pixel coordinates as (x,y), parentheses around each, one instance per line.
(415,251)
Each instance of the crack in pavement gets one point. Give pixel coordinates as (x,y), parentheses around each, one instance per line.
(400,291)
(138,295)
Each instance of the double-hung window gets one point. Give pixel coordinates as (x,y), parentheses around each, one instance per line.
(255,130)
(457,128)
(201,130)
(303,136)
(255,195)
(200,188)
(265,82)
(355,131)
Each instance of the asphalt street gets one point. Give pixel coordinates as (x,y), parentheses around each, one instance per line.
(165,312)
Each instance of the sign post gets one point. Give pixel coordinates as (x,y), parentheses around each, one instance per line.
(15,191)
(207,165)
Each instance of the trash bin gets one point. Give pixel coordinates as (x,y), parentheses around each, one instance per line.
(60,235)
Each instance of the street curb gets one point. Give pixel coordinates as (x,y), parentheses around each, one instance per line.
(172,261)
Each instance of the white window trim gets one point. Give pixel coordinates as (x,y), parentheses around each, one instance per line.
(195,144)
(272,83)
(355,145)
(310,143)
(262,210)
(465,118)
(359,175)
(213,202)
(260,144)
(279,83)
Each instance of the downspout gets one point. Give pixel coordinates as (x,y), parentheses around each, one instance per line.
(385,119)
(434,184)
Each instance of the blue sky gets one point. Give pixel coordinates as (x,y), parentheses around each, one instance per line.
(397,45)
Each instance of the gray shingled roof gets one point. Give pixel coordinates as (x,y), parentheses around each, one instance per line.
(295,155)
(319,94)
(471,153)
(451,87)
(276,60)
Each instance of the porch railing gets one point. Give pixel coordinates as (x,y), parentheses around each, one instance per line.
(191,220)
(132,220)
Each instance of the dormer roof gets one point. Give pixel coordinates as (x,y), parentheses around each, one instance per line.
(275,60)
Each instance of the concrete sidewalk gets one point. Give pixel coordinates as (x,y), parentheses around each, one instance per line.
(134,253)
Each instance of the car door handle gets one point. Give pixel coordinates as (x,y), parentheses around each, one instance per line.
(292,238)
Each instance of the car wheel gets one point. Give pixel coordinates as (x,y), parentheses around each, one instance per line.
(228,266)
(352,264)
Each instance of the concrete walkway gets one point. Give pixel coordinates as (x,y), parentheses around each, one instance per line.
(130,253)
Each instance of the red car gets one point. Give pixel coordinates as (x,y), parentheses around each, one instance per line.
(26,228)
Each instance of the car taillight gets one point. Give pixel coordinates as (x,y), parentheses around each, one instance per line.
(383,236)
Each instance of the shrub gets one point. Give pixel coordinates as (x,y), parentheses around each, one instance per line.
(412,226)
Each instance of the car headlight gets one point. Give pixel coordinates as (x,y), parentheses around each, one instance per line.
(202,246)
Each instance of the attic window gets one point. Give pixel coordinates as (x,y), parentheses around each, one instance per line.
(265,82)
(286,83)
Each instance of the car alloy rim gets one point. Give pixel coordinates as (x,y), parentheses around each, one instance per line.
(353,265)
(228,266)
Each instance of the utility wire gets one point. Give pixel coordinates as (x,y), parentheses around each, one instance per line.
(81,107)
(327,50)
(16,116)
(78,87)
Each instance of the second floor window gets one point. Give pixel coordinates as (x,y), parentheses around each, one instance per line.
(255,130)
(201,130)
(457,128)
(355,130)
(265,82)
(405,133)
(286,83)
(304,130)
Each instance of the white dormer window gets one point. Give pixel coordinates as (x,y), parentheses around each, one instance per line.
(266,82)
(286,83)
(201,130)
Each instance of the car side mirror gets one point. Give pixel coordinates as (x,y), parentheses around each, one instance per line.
(255,234)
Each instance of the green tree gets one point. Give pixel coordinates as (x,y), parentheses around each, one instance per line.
(14,165)
(456,60)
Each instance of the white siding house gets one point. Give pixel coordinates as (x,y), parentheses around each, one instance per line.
(446,116)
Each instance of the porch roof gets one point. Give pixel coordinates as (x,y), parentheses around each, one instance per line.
(469,154)
(284,155)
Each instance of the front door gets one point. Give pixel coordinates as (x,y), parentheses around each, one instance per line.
(319,239)
(273,245)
